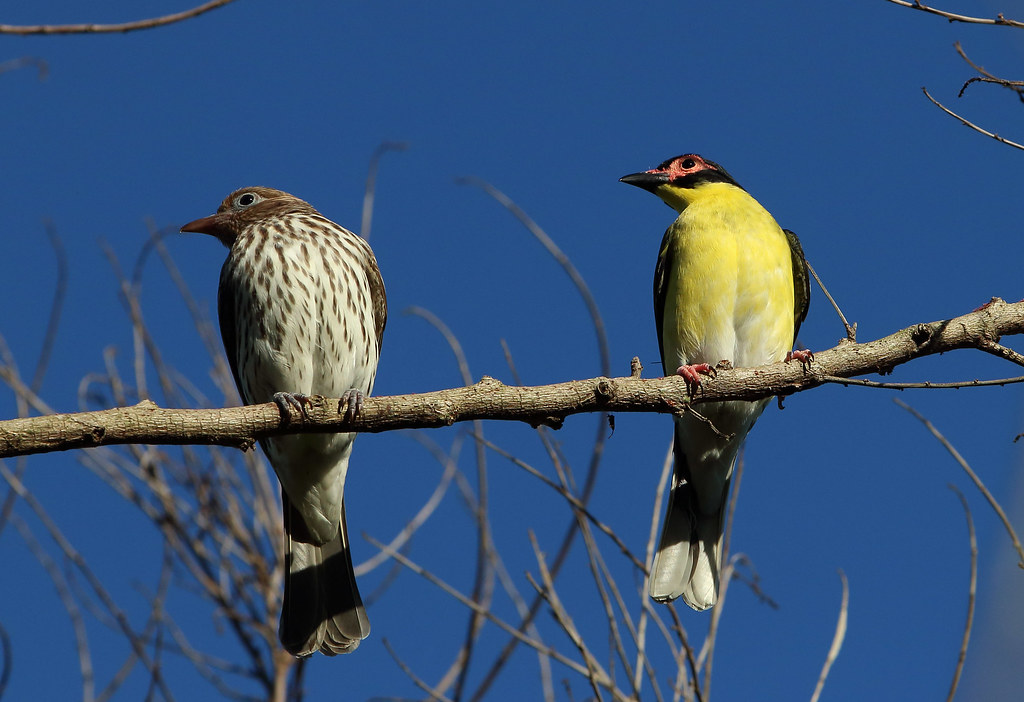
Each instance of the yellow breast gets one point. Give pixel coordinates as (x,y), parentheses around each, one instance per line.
(729,293)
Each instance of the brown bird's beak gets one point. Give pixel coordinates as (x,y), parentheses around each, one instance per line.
(648,180)
(218,225)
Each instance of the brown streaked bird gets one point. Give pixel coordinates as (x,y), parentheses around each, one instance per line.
(302,312)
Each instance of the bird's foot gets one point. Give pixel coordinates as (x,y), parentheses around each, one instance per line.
(803,355)
(692,373)
(354,400)
(286,401)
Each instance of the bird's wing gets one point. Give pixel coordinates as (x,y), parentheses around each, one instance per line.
(226,315)
(801,281)
(378,298)
(661,273)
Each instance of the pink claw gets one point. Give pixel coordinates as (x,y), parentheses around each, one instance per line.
(692,373)
(804,356)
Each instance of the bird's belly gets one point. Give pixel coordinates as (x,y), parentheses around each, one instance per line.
(731,299)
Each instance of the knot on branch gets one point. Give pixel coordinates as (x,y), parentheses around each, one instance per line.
(488,382)
(604,390)
(921,334)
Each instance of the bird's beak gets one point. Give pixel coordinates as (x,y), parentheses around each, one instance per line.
(217,225)
(648,180)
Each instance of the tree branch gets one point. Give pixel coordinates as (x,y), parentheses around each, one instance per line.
(966,122)
(93,28)
(953,17)
(241,427)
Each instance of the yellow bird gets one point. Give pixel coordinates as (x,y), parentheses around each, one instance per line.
(730,285)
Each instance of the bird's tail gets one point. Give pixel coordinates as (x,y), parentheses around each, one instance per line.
(687,563)
(322,610)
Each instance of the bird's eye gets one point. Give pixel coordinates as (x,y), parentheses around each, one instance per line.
(689,163)
(246,199)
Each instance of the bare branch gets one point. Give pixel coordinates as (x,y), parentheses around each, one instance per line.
(137,644)
(70,605)
(952,17)
(59,293)
(972,591)
(14,64)
(450,463)
(575,503)
(552,248)
(851,329)
(597,450)
(837,639)
(466,602)
(371,182)
(417,681)
(8,659)
(1016,86)
(1002,352)
(973,476)
(595,673)
(149,23)
(483,582)
(146,423)
(968,123)
(926,384)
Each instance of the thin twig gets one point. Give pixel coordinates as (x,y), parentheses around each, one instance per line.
(417,681)
(647,608)
(6,661)
(1016,86)
(968,123)
(67,599)
(924,384)
(972,590)
(138,646)
(14,64)
(972,475)
(467,602)
(521,607)
(371,182)
(483,581)
(851,329)
(573,501)
(451,466)
(1002,352)
(595,674)
(917,5)
(684,651)
(725,576)
(149,23)
(552,248)
(837,639)
(53,321)
(597,450)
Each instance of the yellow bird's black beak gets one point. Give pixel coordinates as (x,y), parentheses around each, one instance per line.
(648,180)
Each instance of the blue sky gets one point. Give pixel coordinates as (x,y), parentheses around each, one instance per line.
(814,107)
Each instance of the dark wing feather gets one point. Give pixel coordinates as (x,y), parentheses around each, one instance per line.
(801,282)
(378,299)
(661,273)
(226,314)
